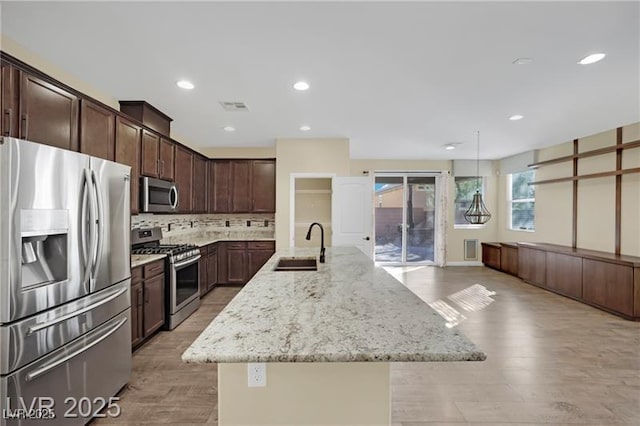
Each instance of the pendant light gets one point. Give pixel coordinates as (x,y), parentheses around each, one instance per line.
(477,213)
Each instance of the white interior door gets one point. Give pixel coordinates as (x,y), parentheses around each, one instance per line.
(352,213)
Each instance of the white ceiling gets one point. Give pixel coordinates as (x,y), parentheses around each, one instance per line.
(399,80)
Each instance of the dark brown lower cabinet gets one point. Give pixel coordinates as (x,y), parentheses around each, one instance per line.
(509,258)
(147,301)
(532,265)
(491,255)
(609,285)
(258,253)
(212,267)
(238,261)
(564,274)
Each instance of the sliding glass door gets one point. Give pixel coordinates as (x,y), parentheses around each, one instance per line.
(405,217)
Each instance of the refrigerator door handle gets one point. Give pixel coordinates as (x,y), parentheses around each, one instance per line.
(100,225)
(94,337)
(83,222)
(92,218)
(41,326)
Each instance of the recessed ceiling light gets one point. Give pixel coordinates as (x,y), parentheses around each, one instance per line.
(301,85)
(305,128)
(449,147)
(592,59)
(522,61)
(516,117)
(229,129)
(185,84)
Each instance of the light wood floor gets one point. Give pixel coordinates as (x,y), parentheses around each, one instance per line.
(550,361)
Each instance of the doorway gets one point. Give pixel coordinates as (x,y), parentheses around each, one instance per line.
(405,218)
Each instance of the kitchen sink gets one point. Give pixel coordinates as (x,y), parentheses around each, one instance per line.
(296,264)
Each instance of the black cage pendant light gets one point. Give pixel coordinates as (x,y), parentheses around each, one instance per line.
(477,213)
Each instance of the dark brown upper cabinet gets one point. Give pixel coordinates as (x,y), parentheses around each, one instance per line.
(219,186)
(148,115)
(184,176)
(240,186)
(48,114)
(157,156)
(97,130)
(9,100)
(263,186)
(199,185)
(127,151)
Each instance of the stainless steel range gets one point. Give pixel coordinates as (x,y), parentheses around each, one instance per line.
(181,272)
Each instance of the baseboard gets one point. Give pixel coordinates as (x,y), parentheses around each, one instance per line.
(465,263)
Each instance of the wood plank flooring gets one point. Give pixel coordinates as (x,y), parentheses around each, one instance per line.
(550,361)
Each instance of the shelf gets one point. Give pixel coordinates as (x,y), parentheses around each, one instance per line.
(313,191)
(593,153)
(589,176)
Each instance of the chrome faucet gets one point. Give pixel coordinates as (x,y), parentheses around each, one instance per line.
(308,237)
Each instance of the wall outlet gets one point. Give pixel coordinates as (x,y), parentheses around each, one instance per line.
(257,374)
(226,223)
(248,223)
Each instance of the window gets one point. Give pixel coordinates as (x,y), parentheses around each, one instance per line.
(465,188)
(522,197)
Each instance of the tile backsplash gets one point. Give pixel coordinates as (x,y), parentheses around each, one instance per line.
(177,224)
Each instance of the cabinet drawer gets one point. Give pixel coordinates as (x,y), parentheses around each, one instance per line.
(136,275)
(261,245)
(236,245)
(154,268)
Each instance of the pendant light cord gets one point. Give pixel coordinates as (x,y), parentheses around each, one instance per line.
(478,161)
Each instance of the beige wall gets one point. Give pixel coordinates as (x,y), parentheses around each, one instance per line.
(304,156)
(306,393)
(228,152)
(596,198)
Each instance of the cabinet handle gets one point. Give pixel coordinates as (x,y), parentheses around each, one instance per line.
(7,122)
(140,296)
(25,126)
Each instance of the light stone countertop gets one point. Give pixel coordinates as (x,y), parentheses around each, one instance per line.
(204,239)
(347,311)
(143,259)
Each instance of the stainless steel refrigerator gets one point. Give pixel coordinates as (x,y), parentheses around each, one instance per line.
(65,331)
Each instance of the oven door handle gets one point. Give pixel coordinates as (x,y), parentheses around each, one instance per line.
(98,335)
(187,262)
(173,197)
(41,326)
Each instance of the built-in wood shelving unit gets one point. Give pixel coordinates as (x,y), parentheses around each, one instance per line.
(618,148)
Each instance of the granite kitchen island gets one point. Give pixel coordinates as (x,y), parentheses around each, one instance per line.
(327,337)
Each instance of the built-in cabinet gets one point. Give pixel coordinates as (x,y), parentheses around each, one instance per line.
(97,130)
(38,108)
(208,268)
(127,151)
(242,186)
(605,280)
(157,156)
(184,179)
(238,261)
(147,301)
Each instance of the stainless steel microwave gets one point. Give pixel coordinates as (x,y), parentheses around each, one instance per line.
(158,195)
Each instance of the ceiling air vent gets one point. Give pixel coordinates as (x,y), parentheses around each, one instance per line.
(234,106)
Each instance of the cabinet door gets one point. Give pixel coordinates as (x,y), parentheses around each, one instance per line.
(212,271)
(491,255)
(532,265)
(166,159)
(219,174)
(48,114)
(237,267)
(257,258)
(128,152)
(137,313)
(150,164)
(509,260)
(199,185)
(241,186)
(184,170)
(263,186)
(9,100)
(608,285)
(97,130)
(564,274)
(153,304)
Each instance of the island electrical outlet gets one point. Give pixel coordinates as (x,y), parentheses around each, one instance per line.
(257,374)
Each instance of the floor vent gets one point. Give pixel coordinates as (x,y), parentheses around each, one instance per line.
(470,249)
(234,106)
